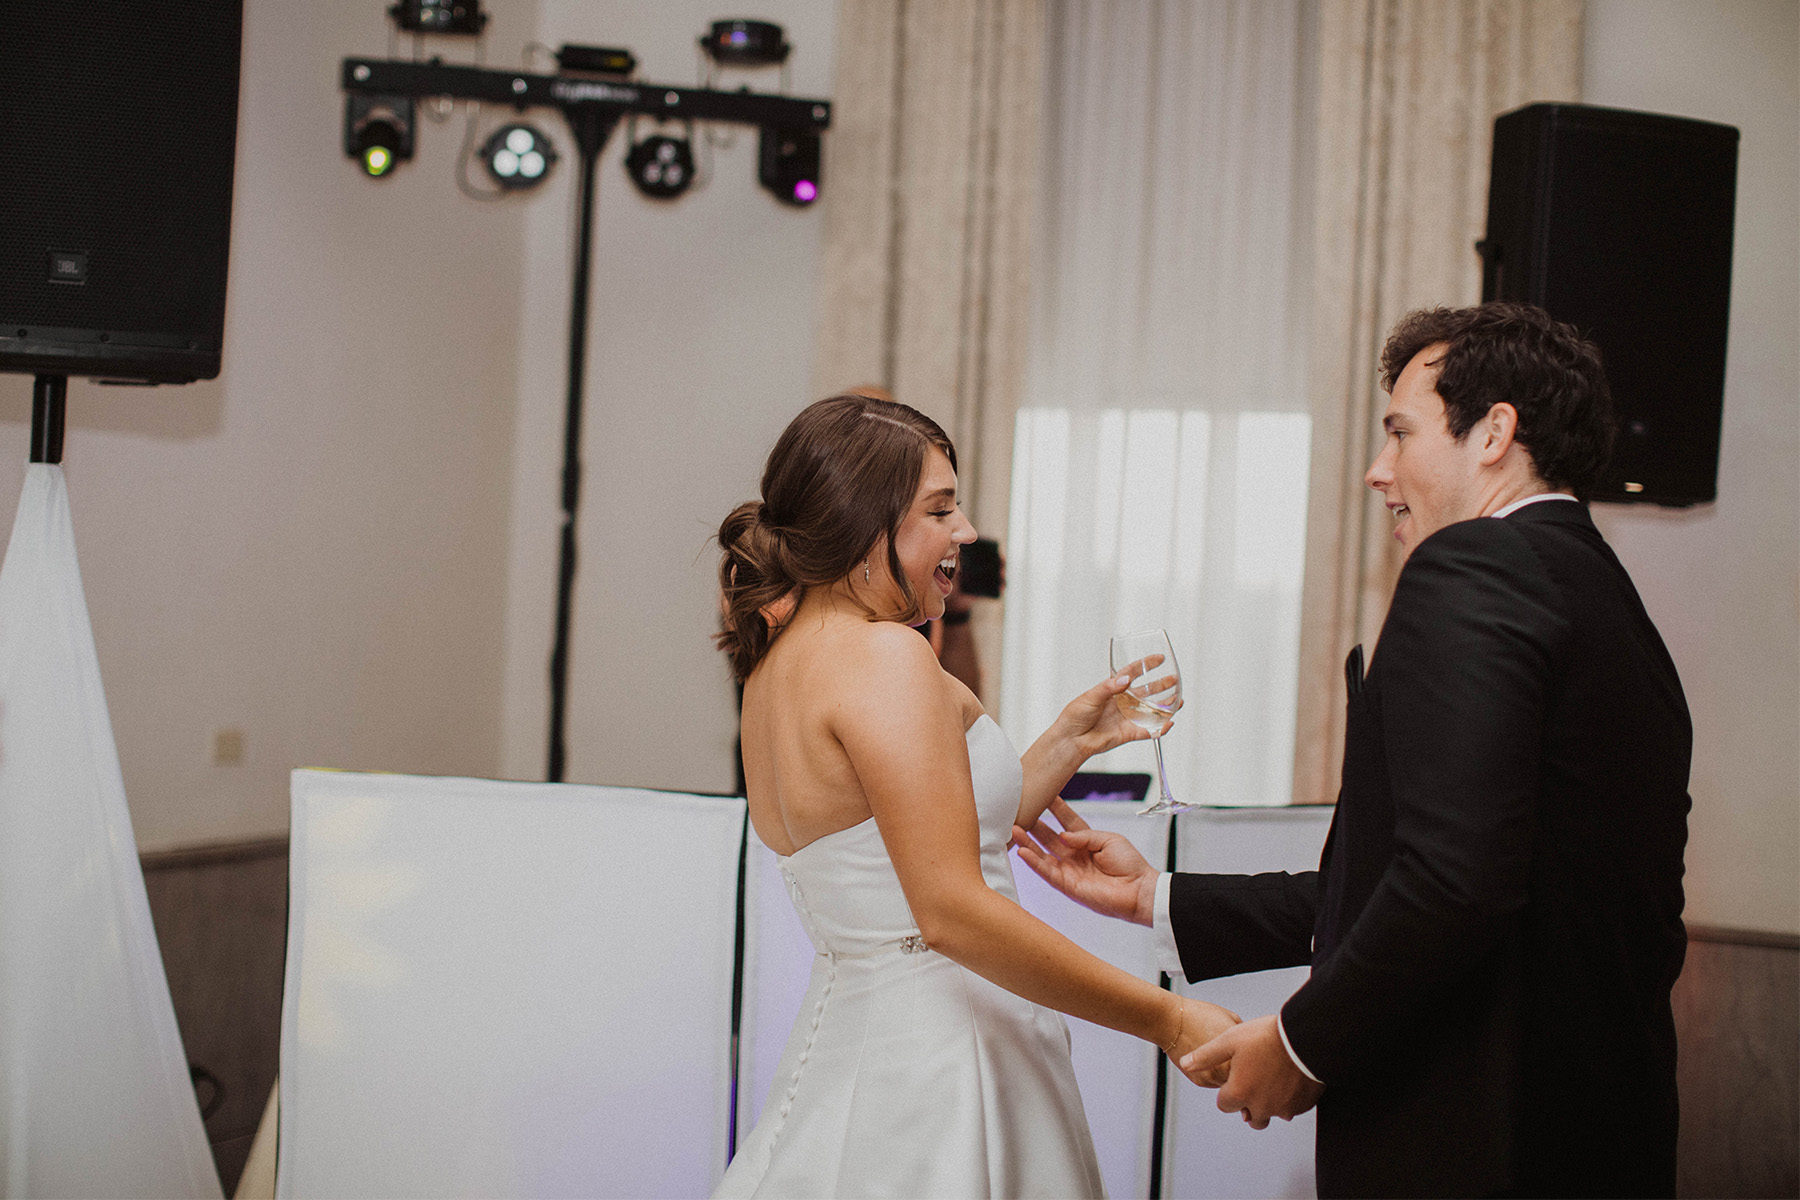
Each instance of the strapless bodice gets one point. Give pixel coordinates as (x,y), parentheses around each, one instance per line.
(844,886)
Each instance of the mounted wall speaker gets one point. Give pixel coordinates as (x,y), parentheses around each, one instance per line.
(118,131)
(1620,223)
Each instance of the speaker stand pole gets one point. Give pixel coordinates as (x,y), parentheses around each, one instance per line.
(591,125)
(49,400)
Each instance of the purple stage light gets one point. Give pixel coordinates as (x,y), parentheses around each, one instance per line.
(806,191)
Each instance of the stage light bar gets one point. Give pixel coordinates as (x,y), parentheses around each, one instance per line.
(788,166)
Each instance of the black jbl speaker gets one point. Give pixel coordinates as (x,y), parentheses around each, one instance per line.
(1620,224)
(118,129)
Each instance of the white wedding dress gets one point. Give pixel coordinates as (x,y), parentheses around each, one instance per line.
(905,1074)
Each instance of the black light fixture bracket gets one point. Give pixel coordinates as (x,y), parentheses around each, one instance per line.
(593,108)
(393,77)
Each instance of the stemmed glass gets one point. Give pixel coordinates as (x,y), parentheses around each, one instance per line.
(1151,698)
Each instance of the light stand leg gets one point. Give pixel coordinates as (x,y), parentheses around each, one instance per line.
(591,125)
(1159,1115)
(49,402)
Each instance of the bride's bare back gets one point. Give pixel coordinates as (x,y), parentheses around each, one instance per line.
(830,661)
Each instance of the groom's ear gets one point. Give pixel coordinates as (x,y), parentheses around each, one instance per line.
(1498,431)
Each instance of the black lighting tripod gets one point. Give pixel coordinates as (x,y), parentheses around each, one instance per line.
(593,108)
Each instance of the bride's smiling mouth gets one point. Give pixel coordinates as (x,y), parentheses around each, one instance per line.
(945,573)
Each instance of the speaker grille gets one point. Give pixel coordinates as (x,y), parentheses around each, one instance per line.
(118,127)
(1620,223)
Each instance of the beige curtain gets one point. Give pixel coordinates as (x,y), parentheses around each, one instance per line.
(931,170)
(1408,93)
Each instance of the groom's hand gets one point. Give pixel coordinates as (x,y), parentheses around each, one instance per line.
(1264,1081)
(1098,870)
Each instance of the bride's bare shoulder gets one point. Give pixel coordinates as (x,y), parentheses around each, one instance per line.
(848,648)
(888,649)
(856,659)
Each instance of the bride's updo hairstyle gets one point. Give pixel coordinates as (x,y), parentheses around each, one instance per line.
(841,475)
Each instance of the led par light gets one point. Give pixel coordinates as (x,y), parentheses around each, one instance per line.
(788,164)
(662,167)
(745,44)
(518,156)
(439,16)
(378,131)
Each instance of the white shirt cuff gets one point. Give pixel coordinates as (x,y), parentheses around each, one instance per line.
(1168,956)
(1289,1047)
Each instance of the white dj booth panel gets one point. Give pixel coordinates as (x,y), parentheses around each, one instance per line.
(506,989)
(778,960)
(511,989)
(1212,1154)
(1117,1072)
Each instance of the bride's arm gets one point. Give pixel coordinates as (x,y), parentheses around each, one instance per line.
(1088,724)
(903,732)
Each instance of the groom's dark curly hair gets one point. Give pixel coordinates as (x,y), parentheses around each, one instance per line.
(1516,354)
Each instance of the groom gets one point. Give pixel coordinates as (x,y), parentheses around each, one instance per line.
(1495,924)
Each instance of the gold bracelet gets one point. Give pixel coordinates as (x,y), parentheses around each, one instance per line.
(1180,1024)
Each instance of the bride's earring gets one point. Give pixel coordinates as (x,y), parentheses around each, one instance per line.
(865,570)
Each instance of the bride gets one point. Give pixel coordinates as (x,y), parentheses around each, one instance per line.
(926,1059)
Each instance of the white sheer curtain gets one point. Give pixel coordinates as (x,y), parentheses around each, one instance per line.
(1161,452)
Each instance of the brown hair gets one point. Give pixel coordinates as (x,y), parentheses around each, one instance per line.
(842,475)
(1516,353)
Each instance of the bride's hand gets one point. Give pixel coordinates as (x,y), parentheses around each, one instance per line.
(1201,1023)
(1094,723)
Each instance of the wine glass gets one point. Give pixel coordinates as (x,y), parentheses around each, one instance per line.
(1151,698)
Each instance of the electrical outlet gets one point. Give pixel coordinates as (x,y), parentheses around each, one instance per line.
(228,747)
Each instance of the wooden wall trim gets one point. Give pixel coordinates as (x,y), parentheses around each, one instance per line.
(1743,937)
(213,854)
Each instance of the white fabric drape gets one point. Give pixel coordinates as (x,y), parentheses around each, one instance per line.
(95,1098)
(1160,462)
(1408,93)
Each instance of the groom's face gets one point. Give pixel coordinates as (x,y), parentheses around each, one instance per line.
(1427,478)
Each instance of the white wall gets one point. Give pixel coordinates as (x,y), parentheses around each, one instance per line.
(310,548)
(1722,581)
(339,546)
(700,347)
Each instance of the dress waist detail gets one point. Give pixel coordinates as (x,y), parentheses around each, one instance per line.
(845,917)
(912,943)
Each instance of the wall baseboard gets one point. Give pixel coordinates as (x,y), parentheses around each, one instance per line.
(213,854)
(1743,937)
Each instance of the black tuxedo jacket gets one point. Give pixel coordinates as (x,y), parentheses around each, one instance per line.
(1495,925)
